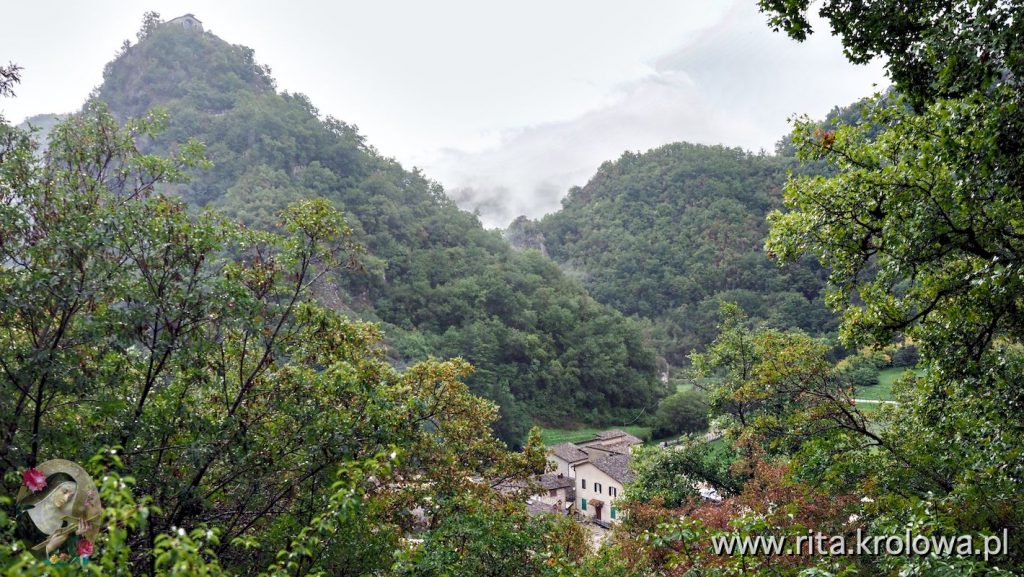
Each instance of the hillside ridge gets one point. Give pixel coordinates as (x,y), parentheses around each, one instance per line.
(437,281)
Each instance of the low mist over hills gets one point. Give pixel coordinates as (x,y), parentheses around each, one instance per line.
(438,282)
(662,236)
(659,239)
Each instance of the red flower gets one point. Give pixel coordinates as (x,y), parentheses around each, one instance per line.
(34,479)
(84,547)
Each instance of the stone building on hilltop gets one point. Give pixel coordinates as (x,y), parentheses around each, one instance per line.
(188,22)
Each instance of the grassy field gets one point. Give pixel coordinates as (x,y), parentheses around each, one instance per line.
(556,436)
(883,390)
(689,385)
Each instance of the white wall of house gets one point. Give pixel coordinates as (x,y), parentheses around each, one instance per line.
(561,466)
(554,497)
(592,483)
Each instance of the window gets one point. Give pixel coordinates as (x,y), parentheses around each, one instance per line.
(583,504)
(597,488)
(613,492)
(583,483)
(553,493)
(613,512)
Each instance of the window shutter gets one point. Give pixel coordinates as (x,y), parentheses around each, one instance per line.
(613,512)
(583,504)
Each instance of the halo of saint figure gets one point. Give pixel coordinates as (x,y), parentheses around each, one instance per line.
(58,511)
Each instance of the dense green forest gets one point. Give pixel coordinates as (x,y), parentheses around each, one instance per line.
(670,233)
(230,420)
(437,281)
(667,235)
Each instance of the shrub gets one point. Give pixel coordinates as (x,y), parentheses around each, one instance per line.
(682,412)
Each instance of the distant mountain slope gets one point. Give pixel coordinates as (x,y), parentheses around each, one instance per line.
(42,124)
(668,233)
(440,284)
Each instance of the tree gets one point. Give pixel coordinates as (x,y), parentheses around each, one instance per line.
(861,370)
(918,223)
(681,412)
(769,502)
(10,140)
(805,449)
(9,76)
(56,234)
(775,391)
(196,348)
(752,373)
(918,228)
(150,22)
(936,49)
(906,356)
(672,475)
(477,538)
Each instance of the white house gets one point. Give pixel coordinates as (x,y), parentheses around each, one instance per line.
(564,457)
(557,495)
(557,489)
(599,483)
(599,469)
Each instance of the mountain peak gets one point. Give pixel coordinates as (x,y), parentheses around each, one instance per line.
(178,62)
(438,283)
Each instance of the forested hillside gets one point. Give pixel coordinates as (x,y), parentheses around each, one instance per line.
(438,282)
(183,394)
(670,233)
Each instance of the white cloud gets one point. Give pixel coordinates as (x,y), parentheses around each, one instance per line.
(532,168)
(515,102)
(735,83)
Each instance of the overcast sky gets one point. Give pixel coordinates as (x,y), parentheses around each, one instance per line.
(507,105)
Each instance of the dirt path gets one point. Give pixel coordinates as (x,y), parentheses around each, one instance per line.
(598,535)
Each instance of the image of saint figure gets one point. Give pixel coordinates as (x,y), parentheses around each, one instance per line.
(58,511)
